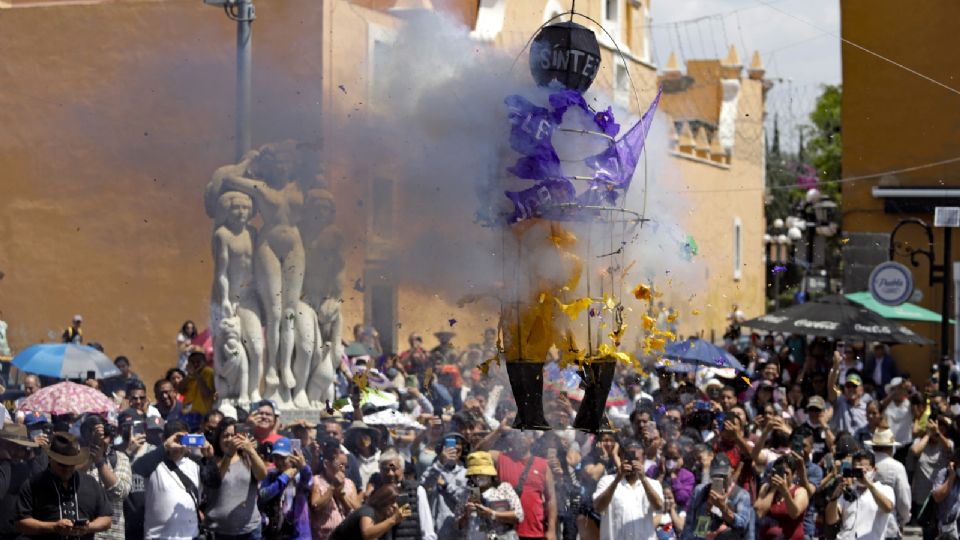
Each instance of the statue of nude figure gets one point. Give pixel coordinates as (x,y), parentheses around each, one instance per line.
(278,256)
(234,289)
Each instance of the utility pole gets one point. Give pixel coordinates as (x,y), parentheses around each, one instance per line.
(244,20)
(243,13)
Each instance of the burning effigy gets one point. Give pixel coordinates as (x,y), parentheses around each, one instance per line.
(564,226)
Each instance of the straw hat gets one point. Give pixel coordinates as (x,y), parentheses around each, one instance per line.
(16,434)
(65,450)
(480,463)
(883,437)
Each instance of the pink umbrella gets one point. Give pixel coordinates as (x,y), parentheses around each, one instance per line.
(68,398)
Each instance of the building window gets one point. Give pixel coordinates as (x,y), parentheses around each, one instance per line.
(379,45)
(737,248)
(610,10)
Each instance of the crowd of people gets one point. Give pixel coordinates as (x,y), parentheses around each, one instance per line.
(816,440)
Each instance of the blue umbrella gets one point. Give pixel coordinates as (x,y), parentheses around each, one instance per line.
(65,361)
(703,353)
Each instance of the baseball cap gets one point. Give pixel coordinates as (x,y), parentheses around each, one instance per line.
(35,417)
(77,318)
(854,379)
(816,402)
(282,447)
(155,423)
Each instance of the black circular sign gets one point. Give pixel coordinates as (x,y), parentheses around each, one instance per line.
(567,53)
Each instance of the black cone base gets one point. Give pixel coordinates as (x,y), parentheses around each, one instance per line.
(597,381)
(526,381)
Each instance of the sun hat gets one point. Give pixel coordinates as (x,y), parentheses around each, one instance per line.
(480,463)
(65,449)
(882,438)
(282,447)
(894,382)
(16,434)
(359,426)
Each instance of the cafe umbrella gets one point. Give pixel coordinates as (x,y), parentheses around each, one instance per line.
(838,318)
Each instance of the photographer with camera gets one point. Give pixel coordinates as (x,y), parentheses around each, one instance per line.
(107,466)
(859,507)
(492,508)
(946,494)
(782,504)
(628,500)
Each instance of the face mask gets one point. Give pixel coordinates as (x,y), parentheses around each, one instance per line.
(955,409)
(568,435)
(671,464)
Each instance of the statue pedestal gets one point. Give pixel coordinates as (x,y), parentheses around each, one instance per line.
(312,416)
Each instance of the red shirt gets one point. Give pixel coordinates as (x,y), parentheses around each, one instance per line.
(534,492)
(778,523)
(271,438)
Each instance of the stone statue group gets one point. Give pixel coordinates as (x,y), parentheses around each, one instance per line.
(275,304)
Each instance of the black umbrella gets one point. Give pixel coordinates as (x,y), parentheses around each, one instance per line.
(836,317)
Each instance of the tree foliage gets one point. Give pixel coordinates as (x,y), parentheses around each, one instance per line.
(823,149)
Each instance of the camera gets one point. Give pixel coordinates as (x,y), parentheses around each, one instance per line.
(849,494)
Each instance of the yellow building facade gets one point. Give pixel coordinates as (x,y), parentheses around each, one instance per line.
(900,132)
(115,114)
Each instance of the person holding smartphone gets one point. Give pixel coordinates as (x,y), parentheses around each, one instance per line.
(719,509)
(445,482)
(628,500)
(62,501)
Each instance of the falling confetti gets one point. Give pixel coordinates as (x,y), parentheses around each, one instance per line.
(575,308)
(452,321)
(642,292)
(695,312)
(844,241)
(779,269)
(360,379)
(342,88)
(358,285)
(673,316)
(649,323)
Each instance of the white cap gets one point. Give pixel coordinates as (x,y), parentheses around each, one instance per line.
(78,318)
(228,410)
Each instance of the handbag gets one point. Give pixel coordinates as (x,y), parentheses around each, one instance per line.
(194,494)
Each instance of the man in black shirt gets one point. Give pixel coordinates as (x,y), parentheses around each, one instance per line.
(17,466)
(61,501)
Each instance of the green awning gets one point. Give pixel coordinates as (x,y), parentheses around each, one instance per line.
(903,312)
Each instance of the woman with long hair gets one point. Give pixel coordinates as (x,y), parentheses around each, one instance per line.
(568,489)
(781,504)
(231,510)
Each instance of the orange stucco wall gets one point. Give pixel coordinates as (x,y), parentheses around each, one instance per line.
(893,119)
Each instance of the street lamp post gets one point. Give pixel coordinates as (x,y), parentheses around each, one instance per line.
(243,13)
(939,274)
(778,253)
(823,224)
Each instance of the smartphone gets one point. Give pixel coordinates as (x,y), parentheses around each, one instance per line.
(193,440)
(81,522)
(841,347)
(296,445)
(857,473)
(243,429)
(846,470)
(403,500)
(138,428)
(450,442)
(551,453)
(716,484)
(35,433)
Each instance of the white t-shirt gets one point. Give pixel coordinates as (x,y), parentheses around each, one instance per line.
(630,514)
(862,518)
(900,419)
(170,513)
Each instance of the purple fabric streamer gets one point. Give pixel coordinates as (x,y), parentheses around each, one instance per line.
(530,132)
(527,203)
(616,164)
(532,128)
